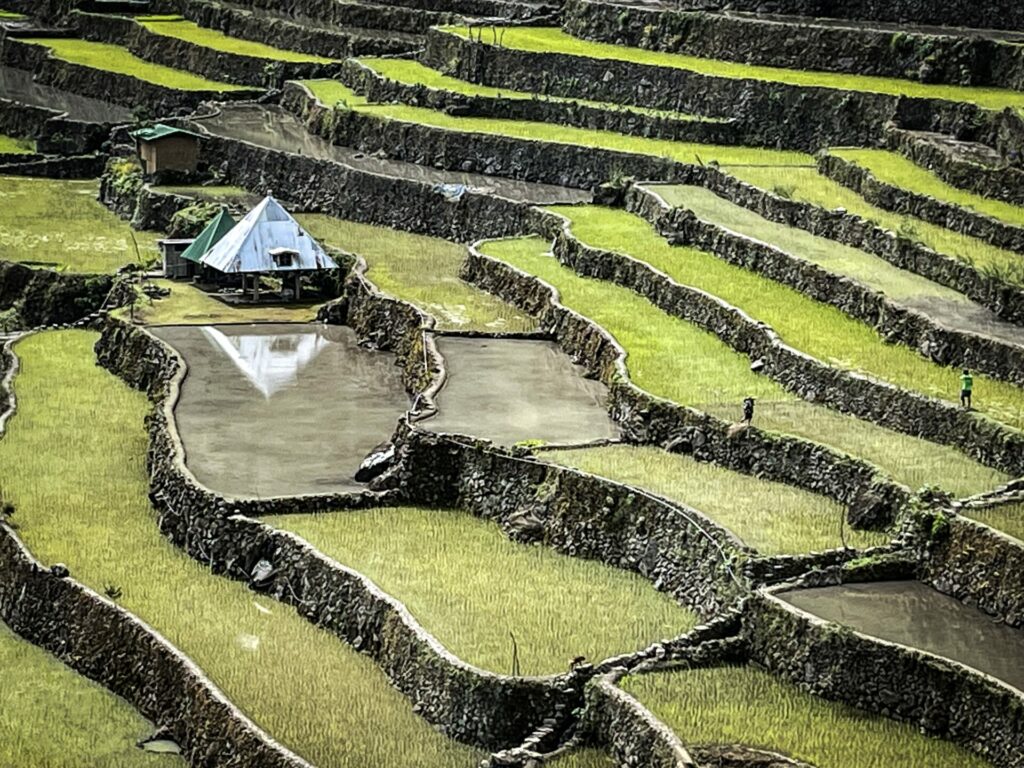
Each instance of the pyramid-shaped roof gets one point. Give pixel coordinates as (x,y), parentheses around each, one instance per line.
(267,229)
(219,226)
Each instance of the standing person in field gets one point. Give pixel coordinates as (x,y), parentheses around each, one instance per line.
(966,385)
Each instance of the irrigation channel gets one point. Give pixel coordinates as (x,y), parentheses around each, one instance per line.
(274,128)
(913,614)
(18,85)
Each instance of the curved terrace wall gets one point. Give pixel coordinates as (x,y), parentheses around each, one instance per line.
(45,297)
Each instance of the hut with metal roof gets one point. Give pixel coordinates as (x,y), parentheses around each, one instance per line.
(181,257)
(167,148)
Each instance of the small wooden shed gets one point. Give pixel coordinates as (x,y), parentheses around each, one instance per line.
(167,148)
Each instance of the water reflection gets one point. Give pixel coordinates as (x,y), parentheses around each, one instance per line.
(269,362)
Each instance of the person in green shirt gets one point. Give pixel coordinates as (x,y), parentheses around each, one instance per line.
(966,385)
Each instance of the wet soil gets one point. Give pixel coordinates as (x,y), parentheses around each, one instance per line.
(18,85)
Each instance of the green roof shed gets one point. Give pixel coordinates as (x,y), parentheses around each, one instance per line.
(221,224)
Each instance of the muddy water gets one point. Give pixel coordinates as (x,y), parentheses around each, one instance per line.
(17,85)
(275,128)
(913,614)
(509,390)
(282,409)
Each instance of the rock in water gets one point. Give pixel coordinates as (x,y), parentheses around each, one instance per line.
(376,463)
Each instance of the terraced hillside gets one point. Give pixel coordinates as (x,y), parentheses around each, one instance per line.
(502,383)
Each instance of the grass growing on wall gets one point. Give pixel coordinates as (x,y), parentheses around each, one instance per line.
(218,193)
(114,58)
(806,185)
(744,705)
(814,327)
(73,465)
(677,360)
(470,586)
(422,270)
(773,518)
(10,15)
(182,29)
(554,40)
(899,171)
(12,146)
(52,717)
(1008,518)
(412,72)
(333,93)
(583,758)
(61,225)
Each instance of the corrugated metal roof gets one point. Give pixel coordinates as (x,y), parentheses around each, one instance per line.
(161,131)
(267,227)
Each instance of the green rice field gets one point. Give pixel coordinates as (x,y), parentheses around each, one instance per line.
(472,587)
(90,238)
(95,726)
(676,360)
(12,146)
(333,93)
(773,518)
(73,465)
(422,270)
(182,29)
(114,58)
(554,40)
(814,327)
(806,185)
(899,171)
(1008,518)
(744,705)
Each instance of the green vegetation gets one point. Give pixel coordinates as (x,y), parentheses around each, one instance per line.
(73,465)
(181,29)
(10,15)
(422,270)
(412,72)
(554,40)
(333,93)
(12,146)
(51,717)
(1008,518)
(816,328)
(899,171)
(471,587)
(188,305)
(773,518)
(60,224)
(114,58)
(676,360)
(744,705)
(806,185)
(222,193)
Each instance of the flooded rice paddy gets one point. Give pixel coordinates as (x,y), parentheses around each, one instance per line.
(18,85)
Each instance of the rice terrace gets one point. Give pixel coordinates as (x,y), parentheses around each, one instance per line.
(511,383)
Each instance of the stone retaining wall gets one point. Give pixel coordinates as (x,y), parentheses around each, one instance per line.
(800,44)
(796,117)
(54,133)
(938,696)
(944,345)
(881,402)
(105,85)
(905,202)
(192,57)
(80,167)
(647,419)
(44,297)
(616,118)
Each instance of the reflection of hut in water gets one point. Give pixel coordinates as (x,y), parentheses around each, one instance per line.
(267,242)
(268,362)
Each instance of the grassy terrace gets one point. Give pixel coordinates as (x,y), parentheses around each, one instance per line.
(52,717)
(333,93)
(182,29)
(899,171)
(811,326)
(808,186)
(422,270)
(453,572)
(554,40)
(677,360)
(73,464)
(89,237)
(188,305)
(218,193)
(413,72)
(10,15)
(1008,519)
(12,146)
(743,705)
(114,58)
(773,518)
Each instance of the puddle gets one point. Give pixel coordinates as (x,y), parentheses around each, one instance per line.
(282,409)
(275,128)
(914,614)
(18,85)
(509,390)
